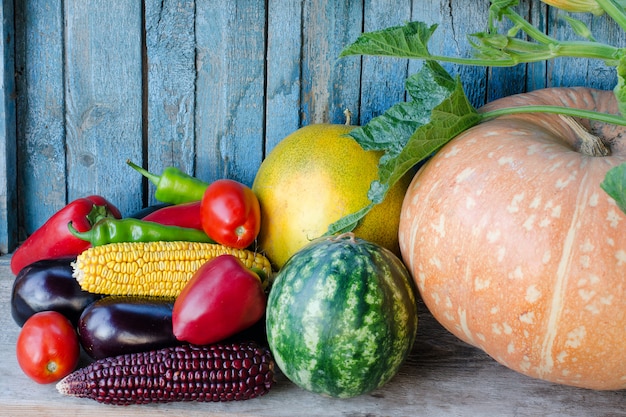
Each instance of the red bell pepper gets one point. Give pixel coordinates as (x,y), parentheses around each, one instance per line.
(54,239)
(222,298)
(181,215)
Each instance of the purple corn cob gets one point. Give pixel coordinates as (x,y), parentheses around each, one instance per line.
(218,372)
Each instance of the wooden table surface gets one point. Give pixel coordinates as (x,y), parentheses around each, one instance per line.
(442,377)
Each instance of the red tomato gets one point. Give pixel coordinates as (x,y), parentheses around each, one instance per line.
(230,213)
(47,347)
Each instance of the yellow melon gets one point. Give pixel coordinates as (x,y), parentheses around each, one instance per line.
(312,178)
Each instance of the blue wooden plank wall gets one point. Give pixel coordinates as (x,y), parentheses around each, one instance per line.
(210,86)
(8,142)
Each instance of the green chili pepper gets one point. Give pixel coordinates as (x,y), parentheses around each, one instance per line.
(110,230)
(173,185)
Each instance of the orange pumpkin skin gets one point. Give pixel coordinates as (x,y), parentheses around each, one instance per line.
(517,250)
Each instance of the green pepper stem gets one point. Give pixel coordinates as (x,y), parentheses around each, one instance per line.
(86,236)
(98,213)
(154,179)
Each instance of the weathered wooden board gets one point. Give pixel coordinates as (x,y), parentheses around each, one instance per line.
(442,377)
(169,91)
(103,99)
(577,72)
(230,43)
(8,189)
(329,85)
(282,95)
(450,39)
(211,87)
(41,152)
(382,80)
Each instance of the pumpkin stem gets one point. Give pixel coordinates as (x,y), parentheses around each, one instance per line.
(590,144)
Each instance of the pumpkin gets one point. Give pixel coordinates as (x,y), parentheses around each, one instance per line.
(516,249)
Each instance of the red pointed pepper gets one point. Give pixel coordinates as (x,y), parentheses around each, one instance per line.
(181,215)
(222,298)
(54,239)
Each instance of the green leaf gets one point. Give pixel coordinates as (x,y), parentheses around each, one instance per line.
(391,131)
(410,132)
(614,185)
(448,119)
(408,41)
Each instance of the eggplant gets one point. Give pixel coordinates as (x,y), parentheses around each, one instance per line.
(117,325)
(48,285)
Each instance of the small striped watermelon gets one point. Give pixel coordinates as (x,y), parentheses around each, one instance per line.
(341,316)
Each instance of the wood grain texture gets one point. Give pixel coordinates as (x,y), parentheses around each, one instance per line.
(171,72)
(535,76)
(382,79)
(441,377)
(230,42)
(103,91)
(455,21)
(41,125)
(579,72)
(509,80)
(284,73)
(329,84)
(8,139)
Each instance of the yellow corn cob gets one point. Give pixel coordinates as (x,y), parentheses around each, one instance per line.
(151,268)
